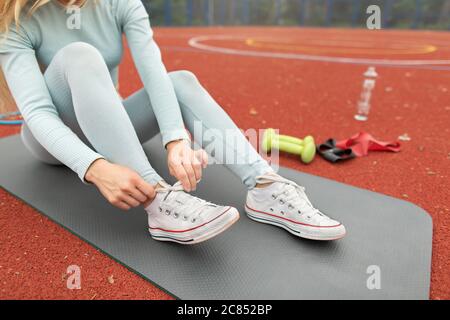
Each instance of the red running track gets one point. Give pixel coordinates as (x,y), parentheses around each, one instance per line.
(297,96)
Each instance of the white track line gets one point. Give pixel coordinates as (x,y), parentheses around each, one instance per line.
(196,42)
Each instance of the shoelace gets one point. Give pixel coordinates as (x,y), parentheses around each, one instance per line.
(182,202)
(294,195)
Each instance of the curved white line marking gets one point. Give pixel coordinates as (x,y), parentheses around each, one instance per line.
(196,42)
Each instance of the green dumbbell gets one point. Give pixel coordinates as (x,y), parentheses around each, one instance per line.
(305,148)
(284,138)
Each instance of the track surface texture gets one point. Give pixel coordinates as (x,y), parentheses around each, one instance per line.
(285,78)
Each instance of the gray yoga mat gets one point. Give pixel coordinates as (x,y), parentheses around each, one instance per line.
(250,260)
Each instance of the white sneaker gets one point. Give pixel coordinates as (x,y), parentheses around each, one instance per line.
(179,217)
(285,204)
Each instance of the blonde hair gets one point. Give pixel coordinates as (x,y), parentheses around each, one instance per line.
(11,12)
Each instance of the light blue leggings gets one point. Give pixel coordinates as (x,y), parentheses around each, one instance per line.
(118,133)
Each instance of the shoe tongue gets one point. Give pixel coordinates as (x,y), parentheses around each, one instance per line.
(176,196)
(276,187)
(291,189)
(181,198)
(169,191)
(280,184)
(302,202)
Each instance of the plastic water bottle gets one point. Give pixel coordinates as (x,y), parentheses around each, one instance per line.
(370,78)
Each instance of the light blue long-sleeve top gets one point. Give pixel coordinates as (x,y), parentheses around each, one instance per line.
(39,37)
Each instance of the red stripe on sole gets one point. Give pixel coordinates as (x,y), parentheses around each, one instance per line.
(296,222)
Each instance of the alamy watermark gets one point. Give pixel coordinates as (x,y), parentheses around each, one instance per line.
(374,280)
(233,146)
(74,20)
(74,277)
(374,20)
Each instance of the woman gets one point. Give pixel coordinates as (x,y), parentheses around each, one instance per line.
(75,117)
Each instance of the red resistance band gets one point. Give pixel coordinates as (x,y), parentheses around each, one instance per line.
(363,142)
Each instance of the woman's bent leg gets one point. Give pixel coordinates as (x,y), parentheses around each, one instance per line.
(197,106)
(200,109)
(87,102)
(137,106)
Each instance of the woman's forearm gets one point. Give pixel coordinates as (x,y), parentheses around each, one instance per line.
(153,73)
(30,92)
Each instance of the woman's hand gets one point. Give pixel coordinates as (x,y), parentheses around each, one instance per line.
(121,186)
(186,164)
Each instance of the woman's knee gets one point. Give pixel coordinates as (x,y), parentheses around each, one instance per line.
(183,78)
(192,95)
(79,51)
(80,56)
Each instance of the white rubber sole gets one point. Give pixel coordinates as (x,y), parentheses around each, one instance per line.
(302,231)
(201,234)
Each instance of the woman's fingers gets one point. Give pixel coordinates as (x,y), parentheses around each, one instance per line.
(129,200)
(131,190)
(202,156)
(122,205)
(138,195)
(146,188)
(188,167)
(197,166)
(119,203)
(121,186)
(182,176)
